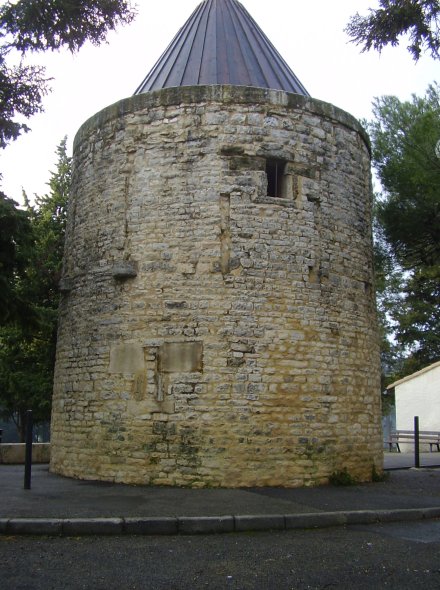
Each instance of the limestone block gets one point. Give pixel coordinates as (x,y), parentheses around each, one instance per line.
(181,357)
(126,358)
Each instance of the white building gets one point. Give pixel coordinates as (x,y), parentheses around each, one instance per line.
(418,395)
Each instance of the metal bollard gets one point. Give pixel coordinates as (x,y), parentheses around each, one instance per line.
(28,457)
(416,442)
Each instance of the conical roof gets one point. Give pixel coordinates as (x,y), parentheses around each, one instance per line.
(221,44)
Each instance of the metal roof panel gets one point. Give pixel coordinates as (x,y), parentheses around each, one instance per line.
(221,43)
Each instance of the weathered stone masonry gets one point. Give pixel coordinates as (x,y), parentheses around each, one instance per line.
(210,334)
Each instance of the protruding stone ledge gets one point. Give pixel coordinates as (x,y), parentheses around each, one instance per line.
(126,269)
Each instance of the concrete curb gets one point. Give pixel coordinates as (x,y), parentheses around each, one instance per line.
(205,525)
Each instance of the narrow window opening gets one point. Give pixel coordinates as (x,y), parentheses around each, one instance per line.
(275,178)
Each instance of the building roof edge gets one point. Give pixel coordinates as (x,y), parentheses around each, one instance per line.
(413,375)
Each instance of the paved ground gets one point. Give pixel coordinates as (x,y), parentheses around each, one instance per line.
(393,540)
(396,460)
(403,556)
(53,496)
(117,508)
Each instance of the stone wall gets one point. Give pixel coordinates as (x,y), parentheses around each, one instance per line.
(15,453)
(212,335)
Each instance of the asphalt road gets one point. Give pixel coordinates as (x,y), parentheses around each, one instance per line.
(398,556)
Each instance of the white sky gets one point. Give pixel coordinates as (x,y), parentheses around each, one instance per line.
(308,34)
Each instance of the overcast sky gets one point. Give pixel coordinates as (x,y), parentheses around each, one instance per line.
(309,35)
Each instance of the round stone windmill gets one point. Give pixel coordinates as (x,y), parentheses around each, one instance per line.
(217,325)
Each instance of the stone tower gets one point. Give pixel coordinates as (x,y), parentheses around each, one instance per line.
(217,325)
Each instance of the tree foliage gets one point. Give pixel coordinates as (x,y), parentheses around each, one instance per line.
(404,137)
(27,351)
(31,241)
(15,247)
(417,19)
(21,93)
(40,25)
(36,25)
(48,221)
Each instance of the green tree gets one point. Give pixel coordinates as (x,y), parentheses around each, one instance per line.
(31,241)
(388,285)
(15,247)
(404,138)
(48,220)
(418,19)
(33,26)
(27,351)
(39,25)
(21,93)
